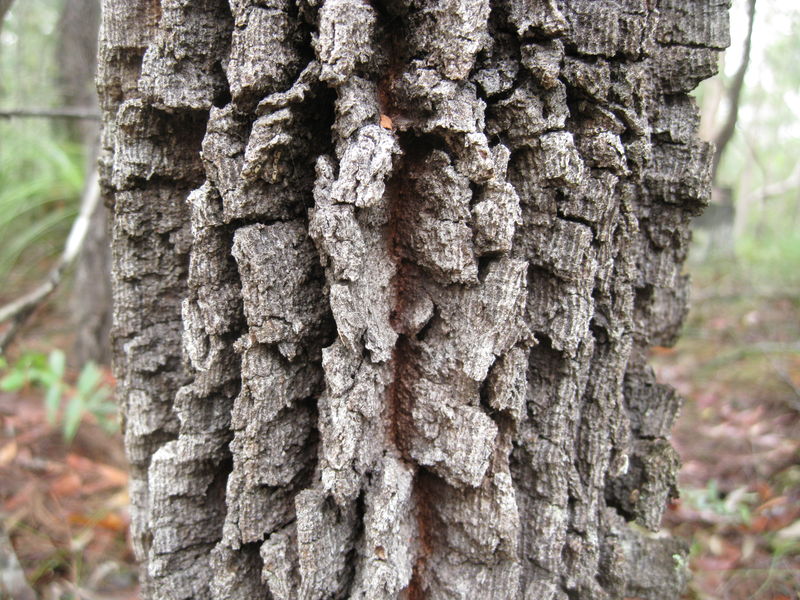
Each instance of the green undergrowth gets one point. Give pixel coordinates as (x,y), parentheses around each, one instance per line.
(67,401)
(41,177)
(773,261)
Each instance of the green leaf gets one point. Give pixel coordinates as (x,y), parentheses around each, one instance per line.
(14,381)
(52,401)
(109,425)
(100,396)
(72,417)
(103,408)
(57,363)
(33,360)
(88,379)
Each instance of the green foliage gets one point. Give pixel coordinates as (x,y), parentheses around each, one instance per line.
(775,258)
(760,163)
(28,53)
(90,395)
(734,507)
(41,171)
(40,183)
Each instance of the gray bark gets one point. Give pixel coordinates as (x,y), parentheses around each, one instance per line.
(386,274)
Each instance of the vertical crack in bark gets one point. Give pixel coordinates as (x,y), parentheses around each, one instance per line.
(440,157)
(404,282)
(423,502)
(407,293)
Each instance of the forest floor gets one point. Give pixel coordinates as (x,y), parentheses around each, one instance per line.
(64,505)
(737,365)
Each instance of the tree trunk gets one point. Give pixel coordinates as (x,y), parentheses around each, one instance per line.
(5,5)
(386,274)
(77,28)
(91,294)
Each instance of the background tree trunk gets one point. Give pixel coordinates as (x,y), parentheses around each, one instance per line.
(91,296)
(386,274)
(78,26)
(734,96)
(5,5)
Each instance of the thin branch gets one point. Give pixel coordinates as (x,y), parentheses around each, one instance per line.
(12,578)
(19,310)
(47,113)
(779,188)
(734,95)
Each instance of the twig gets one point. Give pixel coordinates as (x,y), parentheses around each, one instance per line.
(47,113)
(779,188)
(12,578)
(20,309)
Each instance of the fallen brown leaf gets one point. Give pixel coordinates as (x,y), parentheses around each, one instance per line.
(68,484)
(777,501)
(8,453)
(111,521)
(113,476)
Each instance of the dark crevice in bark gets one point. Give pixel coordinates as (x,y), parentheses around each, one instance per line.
(599,332)
(406,288)
(400,399)
(223,96)
(424,499)
(578,220)
(405,284)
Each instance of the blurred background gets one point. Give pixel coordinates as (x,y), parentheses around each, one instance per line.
(63,501)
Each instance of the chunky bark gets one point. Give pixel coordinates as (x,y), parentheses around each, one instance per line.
(386,274)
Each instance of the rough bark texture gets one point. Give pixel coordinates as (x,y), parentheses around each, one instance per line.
(386,274)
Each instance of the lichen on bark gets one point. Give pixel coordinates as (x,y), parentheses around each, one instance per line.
(386,276)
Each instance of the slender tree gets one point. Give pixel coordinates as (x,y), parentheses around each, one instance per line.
(76,57)
(734,95)
(5,5)
(386,275)
(91,295)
